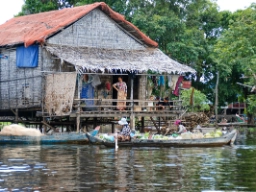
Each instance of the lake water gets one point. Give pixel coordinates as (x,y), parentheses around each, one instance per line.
(95,168)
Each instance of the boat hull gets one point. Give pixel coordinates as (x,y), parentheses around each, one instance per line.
(60,138)
(93,139)
(205,142)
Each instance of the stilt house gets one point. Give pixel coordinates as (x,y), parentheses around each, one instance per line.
(45,57)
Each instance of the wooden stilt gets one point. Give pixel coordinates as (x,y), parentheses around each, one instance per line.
(157,128)
(16,113)
(112,127)
(78,114)
(132,118)
(47,125)
(78,122)
(142,124)
(94,122)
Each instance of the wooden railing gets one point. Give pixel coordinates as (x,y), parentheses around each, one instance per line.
(132,106)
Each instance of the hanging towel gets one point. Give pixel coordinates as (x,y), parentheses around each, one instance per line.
(176,91)
(170,83)
(174,81)
(95,80)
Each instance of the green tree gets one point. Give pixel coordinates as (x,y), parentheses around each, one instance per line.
(235,52)
(194,100)
(37,6)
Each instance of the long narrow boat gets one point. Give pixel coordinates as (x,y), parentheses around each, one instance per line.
(227,139)
(57,138)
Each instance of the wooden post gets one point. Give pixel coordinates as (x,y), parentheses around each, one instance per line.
(94,122)
(142,125)
(132,118)
(16,115)
(157,128)
(216,98)
(47,125)
(78,114)
(112,127)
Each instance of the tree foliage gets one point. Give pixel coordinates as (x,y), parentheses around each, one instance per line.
(194,100)
(37,6)
(235,53)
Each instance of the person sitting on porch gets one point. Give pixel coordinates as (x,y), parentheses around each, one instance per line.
(151,102)
(124,135)
(121,89)
(158,104)
(165,104)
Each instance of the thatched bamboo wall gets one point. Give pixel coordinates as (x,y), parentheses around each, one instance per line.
(22,87)
(96,30)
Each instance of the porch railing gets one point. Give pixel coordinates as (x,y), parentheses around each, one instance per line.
(135,105)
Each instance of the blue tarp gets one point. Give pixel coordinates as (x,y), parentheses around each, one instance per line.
(27,56)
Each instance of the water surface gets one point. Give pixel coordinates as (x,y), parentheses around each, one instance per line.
(95,168)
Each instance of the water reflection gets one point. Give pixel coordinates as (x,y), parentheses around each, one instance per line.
(94,168)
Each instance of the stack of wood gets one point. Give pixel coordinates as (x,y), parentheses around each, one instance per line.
(194,119)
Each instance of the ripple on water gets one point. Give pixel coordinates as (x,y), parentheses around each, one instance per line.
(207,178)
(18,160)
(91,168)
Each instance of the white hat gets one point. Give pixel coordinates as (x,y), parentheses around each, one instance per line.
(122,121)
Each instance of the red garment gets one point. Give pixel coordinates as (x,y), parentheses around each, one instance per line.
(176,91)
(108,86)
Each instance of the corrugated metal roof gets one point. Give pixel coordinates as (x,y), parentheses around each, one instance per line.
(38,27)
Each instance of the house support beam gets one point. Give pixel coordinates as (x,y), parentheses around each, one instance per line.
(16,113)
(78,114)
(132,117)
(47,125)
(157,128)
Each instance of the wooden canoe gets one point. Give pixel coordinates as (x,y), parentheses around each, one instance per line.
(227,139)
(57,138)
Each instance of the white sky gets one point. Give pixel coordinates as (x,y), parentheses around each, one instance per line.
(9,8)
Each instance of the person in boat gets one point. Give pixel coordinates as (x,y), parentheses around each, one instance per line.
(181,127)
(124,135)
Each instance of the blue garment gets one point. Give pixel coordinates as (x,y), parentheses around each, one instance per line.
(27,56)
(87,93)
(161,81)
